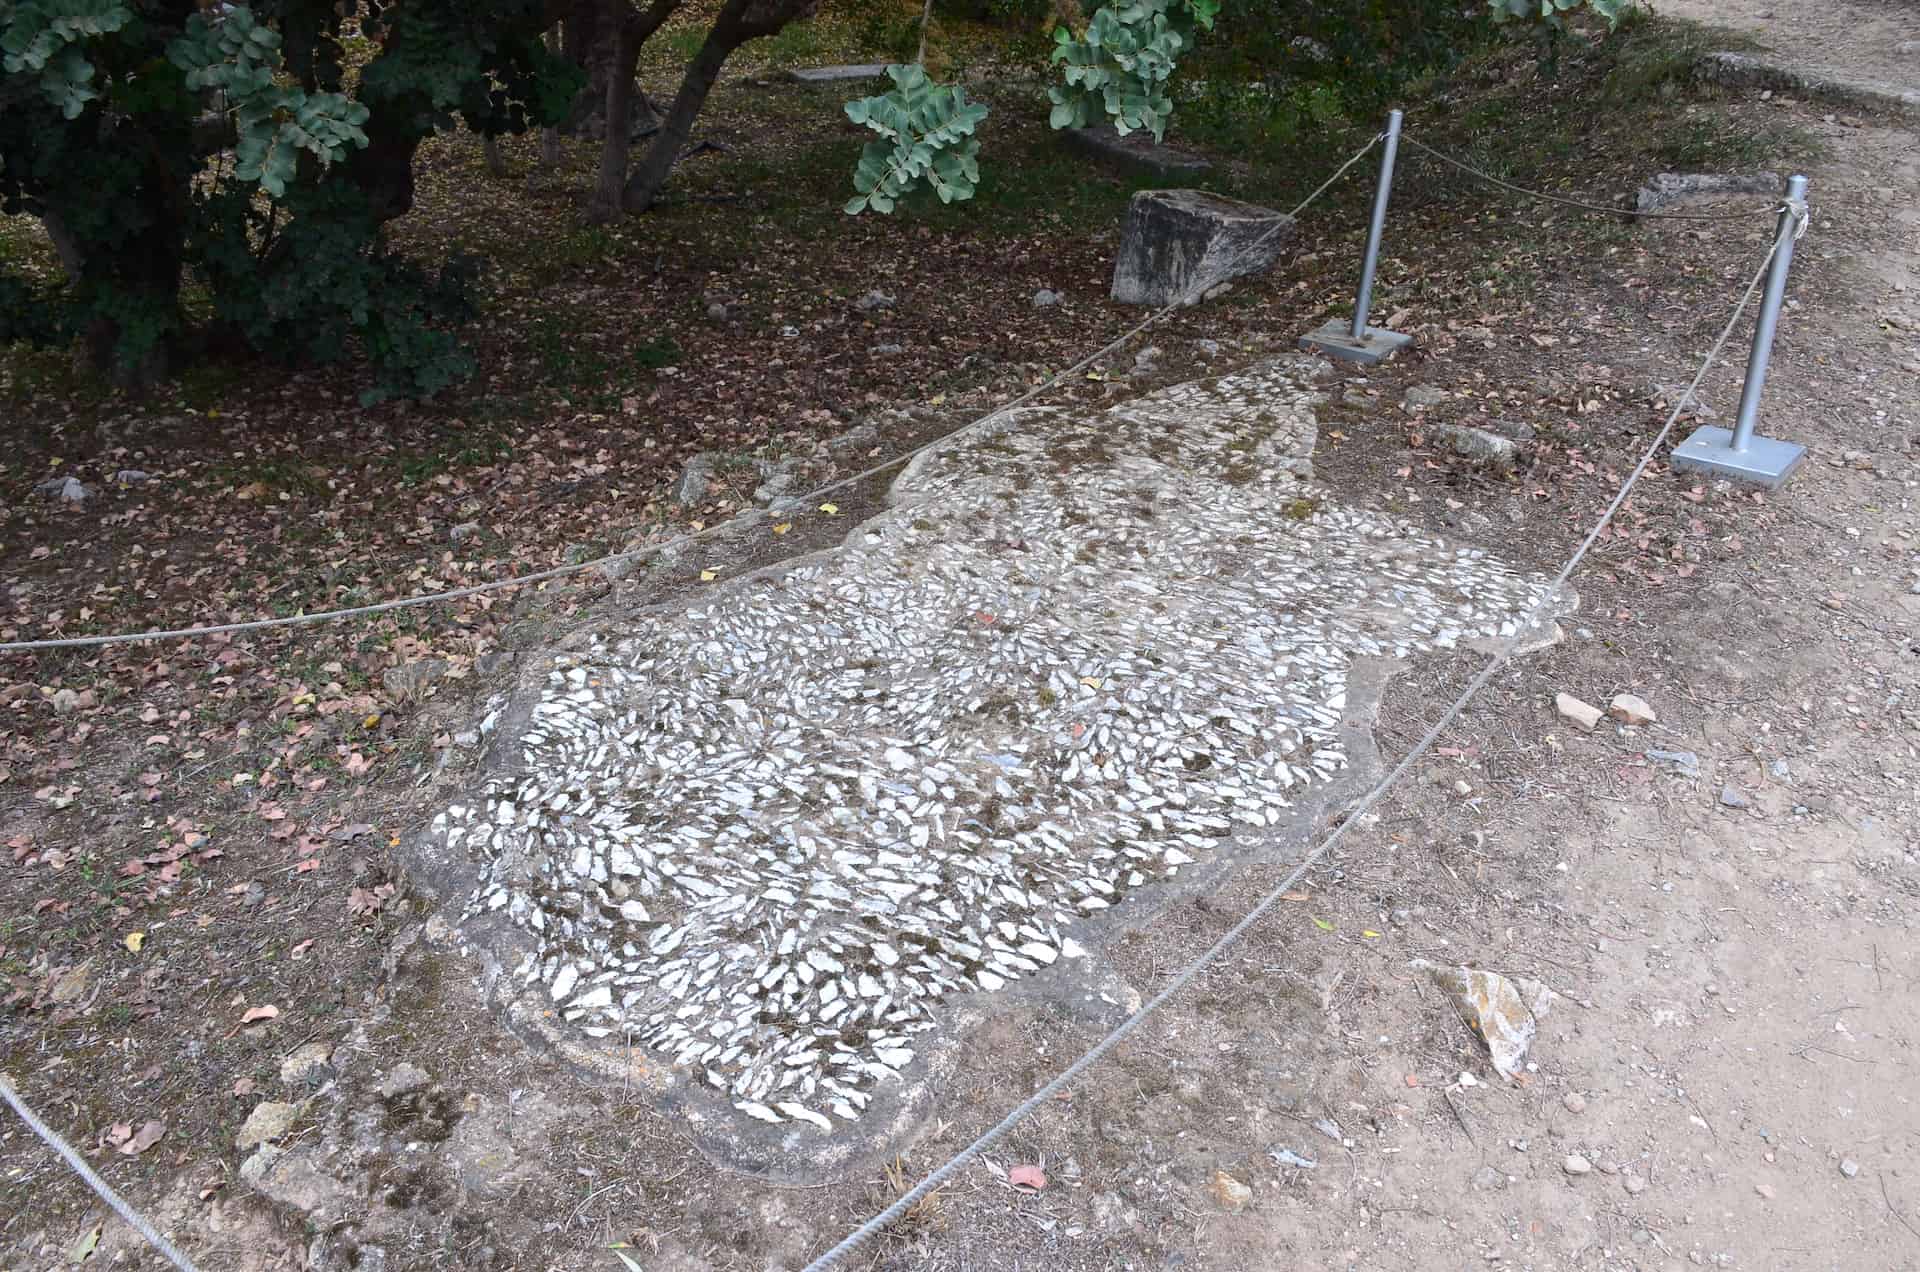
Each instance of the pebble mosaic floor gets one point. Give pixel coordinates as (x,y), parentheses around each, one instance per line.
(768,832)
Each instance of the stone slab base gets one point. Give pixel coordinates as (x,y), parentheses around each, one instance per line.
(1335,339)
(1765,463)
(1136,155)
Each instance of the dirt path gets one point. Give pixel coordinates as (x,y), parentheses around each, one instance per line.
(1733,1081)
(1868,41)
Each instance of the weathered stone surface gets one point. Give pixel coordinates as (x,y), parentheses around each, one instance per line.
(295,1179)
(692,488)
(1178,244)
(1136,155)
(1741,70)
(268,1121)
(1667,189)
(67,490)
(1631,709)
(1479,445)
(1230,1192)
(307,1065)
(838,74)
(1581,713)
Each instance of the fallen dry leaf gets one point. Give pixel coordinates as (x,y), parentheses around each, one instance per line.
(253,1015)
(1027,1177)
(143,1139)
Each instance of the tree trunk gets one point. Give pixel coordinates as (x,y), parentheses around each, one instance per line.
(634,31)
(496,162)
(613,147)
(65,245)
(926,20)
(651,176)
(144,272)
(738,22)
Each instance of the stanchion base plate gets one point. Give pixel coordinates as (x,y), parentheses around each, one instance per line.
(1765,462)
(1335,339)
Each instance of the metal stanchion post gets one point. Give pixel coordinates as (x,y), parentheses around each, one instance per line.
(1359,342)
(1741,455)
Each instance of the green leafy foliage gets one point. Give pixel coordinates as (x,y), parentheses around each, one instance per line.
(239,58)
(224,147)
(44,36)
(1553,13)
(1277,71)
(1117,69)
(927,131)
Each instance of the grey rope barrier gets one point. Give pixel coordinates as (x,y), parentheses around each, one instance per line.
(135,1220)
(653,550)
(1470,170)
(867,1231)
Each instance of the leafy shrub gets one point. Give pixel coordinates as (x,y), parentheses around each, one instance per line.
(927,135)
(225,144)
(1117,69)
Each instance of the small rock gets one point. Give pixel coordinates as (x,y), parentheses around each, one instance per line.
(1577,1165)
(66,490)
(692,488)
(1580,713)
(464,531)
(1230,1192)
(1487,1179)
(132,477)
(307,1063)
(874,300)
(1045,298)
(1779,770)
(1287,1157)
(1511,429)
(268,1121)
(1424,395)
(1480,446)
(1148,359)
(404,1078)
(855,441)
(1634,1184)
(717,312)
(888,350)
(1849,1167)
(1765,1190)
(1208,348)
(1631,709)
(773,487)
(411,680)
(466,738)
(1733,797)
(1112,1213)
(64,702)
(1686,761)
(1574,1102)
